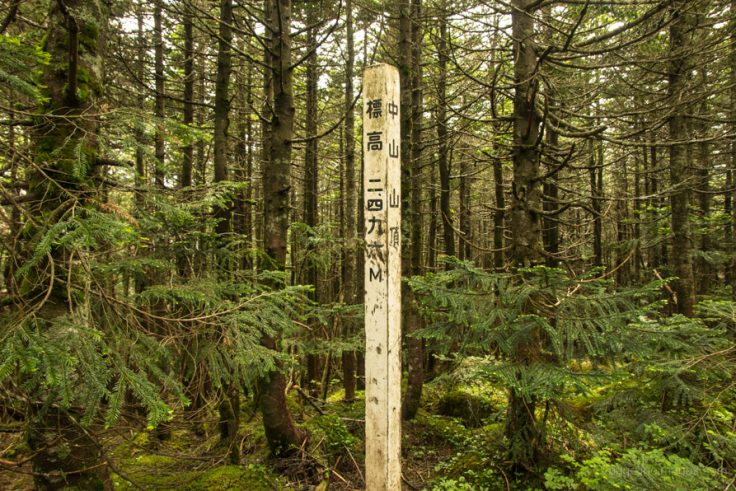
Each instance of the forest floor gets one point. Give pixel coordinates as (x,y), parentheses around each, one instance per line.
(332,459)
(455,443)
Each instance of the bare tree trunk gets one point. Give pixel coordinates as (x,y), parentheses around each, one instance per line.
(243,210)
(705,277)
(140,164)
(349,222)
(551,224)
(282,435)
(499,255)
(409,67)
(522,428)
(311,177)
(729,209)
(680,175)
(442,136)
(160,96)
(229,407)
(595,205)
(466,230)
(187,152)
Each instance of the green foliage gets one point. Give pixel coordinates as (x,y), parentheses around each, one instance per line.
(334,432)
(15,59)
(636,469)
(160,473)
(459,484)
(472,408)
(471,456)
(584,325)
(585,334)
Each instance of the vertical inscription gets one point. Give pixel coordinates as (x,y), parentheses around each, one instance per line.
(382,205)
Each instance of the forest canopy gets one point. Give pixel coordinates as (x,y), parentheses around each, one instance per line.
(182,243)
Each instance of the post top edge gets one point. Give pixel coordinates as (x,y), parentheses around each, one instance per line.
(377,66)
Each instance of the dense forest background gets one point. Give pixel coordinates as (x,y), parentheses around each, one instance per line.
(181,254)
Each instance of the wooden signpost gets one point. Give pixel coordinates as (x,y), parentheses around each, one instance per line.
(382,206)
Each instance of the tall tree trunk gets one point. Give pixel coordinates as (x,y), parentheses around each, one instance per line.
(64,454)
(432,230)
(705,277)
(621,265)
(466,229)
(595,204)
(729,209)
(442,136)
(311,177)
(349,221)
(522,428)
(680,175)
(160,96)
(499,254)
(242,214)
(187,153)
(229,407)
(282,435)
(637,217)
(140,163)
(411,97)
(551,223)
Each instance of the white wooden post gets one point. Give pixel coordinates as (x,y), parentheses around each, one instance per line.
(382,205)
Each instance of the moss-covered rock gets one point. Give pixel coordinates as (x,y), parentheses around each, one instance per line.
(156,472)
(254,477)
(471,408)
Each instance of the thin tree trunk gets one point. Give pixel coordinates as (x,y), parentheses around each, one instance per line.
(311,177)
(432,232)
(499,255)
(680,175)
(242,219)
(466,230)
(160,96)
(705,271)
(411,154)
(349,221)
(551,224)
(229,407)
(729,209)
(595,205)
(187,152)
(140,164)
(442,136)
(637,218)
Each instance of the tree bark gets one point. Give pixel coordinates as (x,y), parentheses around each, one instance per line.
(187,152)
(311,178)
(594,171)
(526,193)
(282,435)
(499,254)
(522,429)
(409,68)
(680,174)
(349,218)
(64,454)
(466,228)
(551,224)
(442,137)
(160,95)
(729,209)
(229,407)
